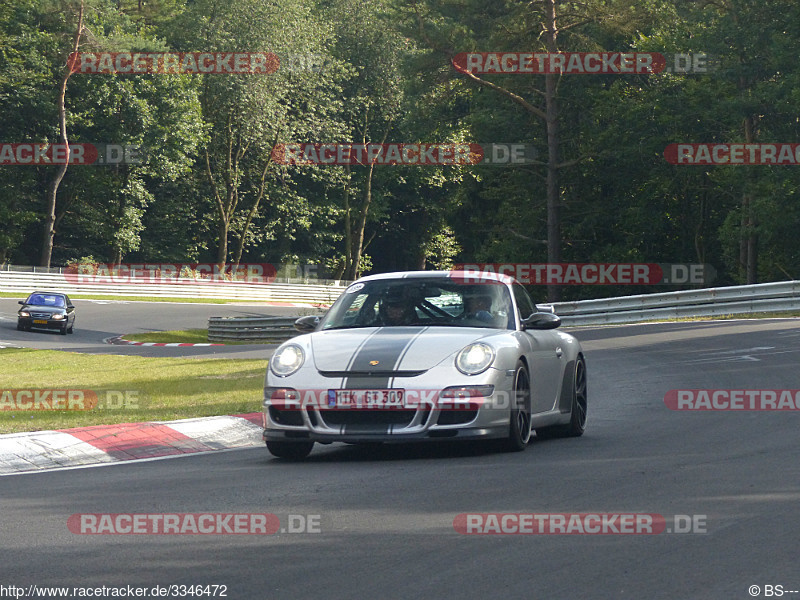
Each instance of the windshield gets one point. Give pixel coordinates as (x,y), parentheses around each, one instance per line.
(428,301)
(46,300)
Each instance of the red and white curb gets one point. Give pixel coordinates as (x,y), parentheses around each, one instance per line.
(119,340)
(99,444)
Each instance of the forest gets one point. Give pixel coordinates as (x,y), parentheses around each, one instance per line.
(692,162)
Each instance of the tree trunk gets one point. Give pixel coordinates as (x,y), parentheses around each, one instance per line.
(752,257)
(348,226)
(748,243)
(355,247)
(358,238)
(52,191)
(553,191)
(222,248)
(225,207)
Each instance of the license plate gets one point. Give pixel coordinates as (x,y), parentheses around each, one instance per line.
(40,321)
(380,399)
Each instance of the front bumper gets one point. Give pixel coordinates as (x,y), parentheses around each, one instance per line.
(483,417)
(461,433)
(42,323)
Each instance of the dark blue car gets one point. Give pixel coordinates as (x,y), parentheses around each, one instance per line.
(46,310)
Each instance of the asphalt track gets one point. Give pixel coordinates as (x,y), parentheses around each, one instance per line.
(386,515)
(98,320)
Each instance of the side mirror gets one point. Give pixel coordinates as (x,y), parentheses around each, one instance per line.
(21,302)
(70,306)
(306,324)
(541,320)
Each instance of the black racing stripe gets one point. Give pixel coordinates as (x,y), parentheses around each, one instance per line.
(387,347)
(357,350)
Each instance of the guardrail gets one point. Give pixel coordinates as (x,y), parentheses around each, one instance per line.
(243,329)
(711,302)
(742,299)
(277,278)
(26,282)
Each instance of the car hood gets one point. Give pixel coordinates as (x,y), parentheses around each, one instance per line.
(390,349)
(50,310)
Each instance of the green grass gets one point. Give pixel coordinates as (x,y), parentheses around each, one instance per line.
(185,336)
(775,315)
(166,388)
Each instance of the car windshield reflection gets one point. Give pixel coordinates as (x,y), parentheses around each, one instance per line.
(46,300)
(421,302)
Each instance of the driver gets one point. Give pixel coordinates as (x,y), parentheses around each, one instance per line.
(396,310)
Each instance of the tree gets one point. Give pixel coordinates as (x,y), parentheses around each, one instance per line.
(367,42)
(52,191)
(451,28)
(249,114)
(152,112)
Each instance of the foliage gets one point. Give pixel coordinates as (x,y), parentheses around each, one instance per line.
(208,189)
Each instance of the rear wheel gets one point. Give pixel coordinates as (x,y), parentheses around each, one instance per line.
(577,421)
(519,427)
(290,450)
(578,406)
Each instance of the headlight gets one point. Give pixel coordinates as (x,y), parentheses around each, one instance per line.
(475,358)
(57,317)
(287,360)
(24,313)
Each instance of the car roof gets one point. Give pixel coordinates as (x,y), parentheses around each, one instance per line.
(46,293)
(466,275)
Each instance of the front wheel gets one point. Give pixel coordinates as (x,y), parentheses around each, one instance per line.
(290,450)
(519,427)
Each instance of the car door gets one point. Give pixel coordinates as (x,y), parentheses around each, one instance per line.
(545,359)
(70,311)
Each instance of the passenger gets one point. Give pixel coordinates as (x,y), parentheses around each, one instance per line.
(478,307)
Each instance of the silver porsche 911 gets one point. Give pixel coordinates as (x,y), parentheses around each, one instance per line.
(428,355)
